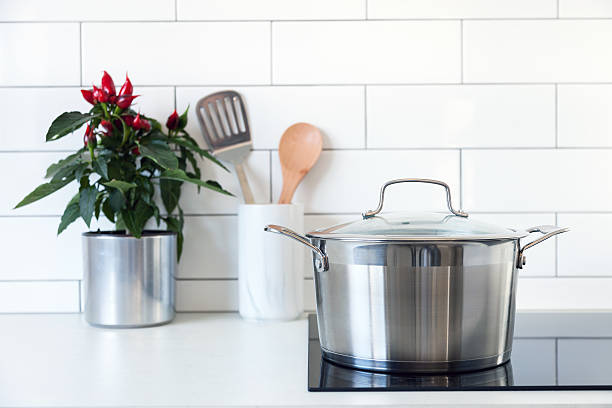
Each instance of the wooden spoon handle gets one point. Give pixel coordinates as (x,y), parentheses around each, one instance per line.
(244,185)
(290,183)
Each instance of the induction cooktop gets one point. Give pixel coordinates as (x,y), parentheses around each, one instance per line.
(551,351)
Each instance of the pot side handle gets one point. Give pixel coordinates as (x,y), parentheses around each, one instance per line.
(548,231)
(323,259)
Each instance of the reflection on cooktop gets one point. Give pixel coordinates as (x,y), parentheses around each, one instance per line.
(551,351)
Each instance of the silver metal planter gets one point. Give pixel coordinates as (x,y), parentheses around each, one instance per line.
(129,282)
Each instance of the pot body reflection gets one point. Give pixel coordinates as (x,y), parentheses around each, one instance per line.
(338,377)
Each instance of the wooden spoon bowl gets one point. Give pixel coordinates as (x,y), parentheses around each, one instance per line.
(299,149)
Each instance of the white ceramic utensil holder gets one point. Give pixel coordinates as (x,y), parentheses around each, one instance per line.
(270,267)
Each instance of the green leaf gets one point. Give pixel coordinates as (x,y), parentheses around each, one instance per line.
(170,193)
(67,171)
(55,167)
(180,175)
(160,153)
(107,210)
(100,166)
(71,213)
(176,224)
(192,146)
(183,119)
(87,202)
(119,223)
(116,201)
(214,183)
(42,191)
(136,219)
(98,205)
(66,123)
(123,186)
(81,172)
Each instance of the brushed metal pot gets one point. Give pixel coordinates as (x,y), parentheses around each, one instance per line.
(425,293)
(129,282)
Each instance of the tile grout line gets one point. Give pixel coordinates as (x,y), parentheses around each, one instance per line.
(270,175)
(271,55)
(390,149)
(366,10)
(80,300)
(175,106)
(556,116)
(461,47)
(557,8)
(320,20)
(175,10)
(38,280)
(509,212)
(365,117)
(461,179)
(80,54)
(556,361)
(556,247)
(324,84)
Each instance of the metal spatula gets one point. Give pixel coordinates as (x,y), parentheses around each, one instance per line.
(224,124)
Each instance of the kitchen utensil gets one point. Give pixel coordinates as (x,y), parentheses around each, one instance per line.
(225,127)
(427,293)
(299,149)
(270,268)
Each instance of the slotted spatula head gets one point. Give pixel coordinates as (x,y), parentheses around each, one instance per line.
(224,124)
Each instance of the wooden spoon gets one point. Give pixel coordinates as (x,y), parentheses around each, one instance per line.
(299,149)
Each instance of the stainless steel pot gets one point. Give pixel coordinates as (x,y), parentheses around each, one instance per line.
(424,293)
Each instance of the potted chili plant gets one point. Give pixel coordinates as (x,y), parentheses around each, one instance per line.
(127,161)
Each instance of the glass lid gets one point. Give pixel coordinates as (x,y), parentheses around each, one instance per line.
(393,226)
(415,226)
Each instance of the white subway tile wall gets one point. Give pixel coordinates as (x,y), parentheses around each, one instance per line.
(509,101)
(532,51)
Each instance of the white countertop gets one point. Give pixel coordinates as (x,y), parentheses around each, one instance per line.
(201,359)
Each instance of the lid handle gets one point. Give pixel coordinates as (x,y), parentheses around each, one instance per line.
(371,213)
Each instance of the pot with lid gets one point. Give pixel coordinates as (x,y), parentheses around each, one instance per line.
(425,293)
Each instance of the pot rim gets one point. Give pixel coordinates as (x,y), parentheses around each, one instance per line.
(512,235)
(114,234)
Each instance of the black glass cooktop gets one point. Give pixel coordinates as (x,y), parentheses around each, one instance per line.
(551,351)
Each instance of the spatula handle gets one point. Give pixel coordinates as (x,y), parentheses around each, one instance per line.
(244,185)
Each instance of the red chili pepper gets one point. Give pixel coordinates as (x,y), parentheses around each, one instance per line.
(126,89)
(136,151)
(100,95)
(140,123)
(89,136)
(124,101)
(129,120)
(173,121)
(88,95)
(107,126)
(137,124)
(108,86)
